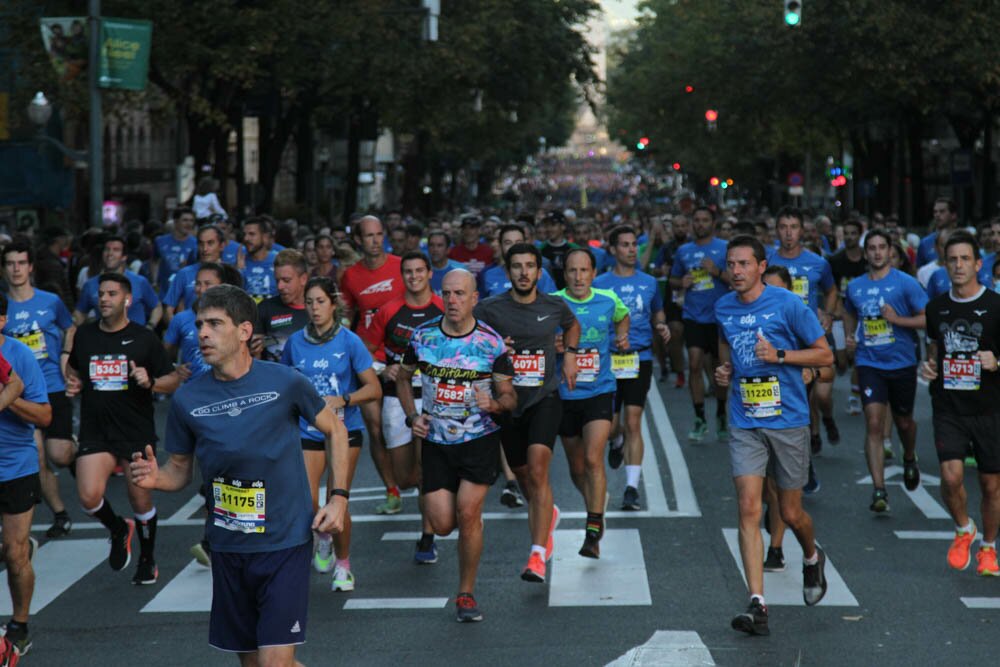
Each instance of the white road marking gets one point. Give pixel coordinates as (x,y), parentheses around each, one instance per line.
(412,536)
(58,565)
(618,578)
(785,588)
(667,647)
(925,534)
(981,603)
(193,504)
(921,497)
(687,503)
(655,499)
(190,590)
(355,604)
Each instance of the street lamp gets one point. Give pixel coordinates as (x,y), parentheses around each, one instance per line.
(39,113)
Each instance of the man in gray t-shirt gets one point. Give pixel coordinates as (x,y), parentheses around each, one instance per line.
(529,322)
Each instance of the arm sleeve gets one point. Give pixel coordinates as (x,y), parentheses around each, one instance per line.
(932,325)
(346,295)
(35,389)
(656,303)
(376,331)
(63,319)
(848,304)
(621,310)
(214,205)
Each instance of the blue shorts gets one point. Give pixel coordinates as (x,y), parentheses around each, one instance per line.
(897,387)
(259,599)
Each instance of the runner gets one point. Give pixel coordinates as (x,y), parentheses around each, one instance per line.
(772,335)
(589,405)
(394,324)
(145,309)
(41,321)
(466,375)
(22,407)
(529,320)
(366,287)
(340,369)
(260,559)
(181,292)
(282,315)
(117,365)
(495,279)
(964,329)
(847,264)
(882,310)
(699,269)
(256,259)
(633,369)
(438,243)
(173,251)
(472,252)
(556,247)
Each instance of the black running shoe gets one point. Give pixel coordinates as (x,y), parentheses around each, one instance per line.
(61,525)
(775,561)
(812,484)
(147,573)
(591,545)
(121,546)
(616,455)
(511,496)
(19,640)
(880,501)
(753,621)
(911,474)
(631,500)
(814,580)
(467,611)
(832,432)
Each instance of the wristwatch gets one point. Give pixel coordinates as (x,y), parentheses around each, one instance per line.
(410,419)
(347,399)
(781,356)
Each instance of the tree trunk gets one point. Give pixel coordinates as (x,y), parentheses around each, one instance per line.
(305,176)
(918,203)
(274,134)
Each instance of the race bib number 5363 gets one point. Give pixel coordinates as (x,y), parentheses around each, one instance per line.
(109,372)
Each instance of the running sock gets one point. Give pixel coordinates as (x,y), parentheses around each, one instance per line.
(813,560)
(426,541)
(344,563)
(538,549)
(967,528)
(61,516)
(699,410)
(720,407)
(393,491)
(106,515)
(595,523)
(984,544)
(759,598)
(632,476)
(16,630)
(145,525)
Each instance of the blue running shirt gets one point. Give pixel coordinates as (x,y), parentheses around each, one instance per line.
(173,255)
(494,280)
(144,299)
(39,323)
(811,275)
(640,294)
(258,277)
(700,298)
(182,333)
(18,452)
(880,344)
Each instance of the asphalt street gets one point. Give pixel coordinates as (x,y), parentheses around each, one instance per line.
(663,592)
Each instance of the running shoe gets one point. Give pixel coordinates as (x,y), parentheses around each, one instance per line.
(812,485)
(146,573)
(466,608)
(753,621)
(887,453)
(343,579)
(121,546)
(970,462)
(832,432)
(323,554)
(986,562)
(911,474)
(61,525)
(616,452)
(699,430)
(20,641)
(393,505)
(854,405)
(202,553)
(631,500)
(511,496)
(679,384)
(880,501)
(775,561)
(721,428)
(591,545)
(958,553)
(550,543)
(814,580)
(535,569)
(816,443)
(425,554)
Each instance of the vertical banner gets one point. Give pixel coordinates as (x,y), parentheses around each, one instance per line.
(125,46)
(65,40)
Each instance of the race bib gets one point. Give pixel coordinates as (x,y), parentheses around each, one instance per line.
(625,365)
(588,365)
(529,368)
(35,340)
(109,372)
(877,331)
(961,371)
(800,285)
(702,279)
(453,399)
(761,396)
(240,504)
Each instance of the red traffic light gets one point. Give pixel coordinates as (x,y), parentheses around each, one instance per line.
(839,181)
(688,89)
(714,181)
(644,141)
(676,166)
(711,115)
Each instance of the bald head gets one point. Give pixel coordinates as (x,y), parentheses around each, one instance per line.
(458,291)
(370,235)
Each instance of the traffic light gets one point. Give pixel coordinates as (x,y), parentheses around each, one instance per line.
(689,88)
(793,13)
(676,166)
(639,146)
(644,141)
(711,115)
(714,181)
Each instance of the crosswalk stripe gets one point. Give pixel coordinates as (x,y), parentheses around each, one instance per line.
(981,603)
(356,604)
(412,536)
(190,590)
(58,565)
(652,480)
(687,502)
(618,578)
(667,647)
(925,534)
(785,588)
(926,503)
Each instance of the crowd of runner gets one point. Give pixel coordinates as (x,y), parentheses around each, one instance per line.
(457,351)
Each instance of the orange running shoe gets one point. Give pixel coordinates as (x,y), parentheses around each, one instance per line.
(550,543)
(986,562)
(958,553)
(535,569)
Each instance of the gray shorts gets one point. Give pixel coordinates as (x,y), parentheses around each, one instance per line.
(782,454)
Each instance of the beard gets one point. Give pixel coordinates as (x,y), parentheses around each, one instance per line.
(524,292)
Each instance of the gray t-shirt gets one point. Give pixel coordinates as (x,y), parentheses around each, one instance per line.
(532,327)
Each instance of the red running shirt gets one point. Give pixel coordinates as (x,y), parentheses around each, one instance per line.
(365,291)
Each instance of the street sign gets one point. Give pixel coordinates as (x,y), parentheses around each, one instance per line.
(795,178)
(796,190)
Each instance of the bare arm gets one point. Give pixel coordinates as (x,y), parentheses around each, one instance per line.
(11,391)
(174,476)
(370,390)
(39,414)
(404,390)
(330,518)
(154,317)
